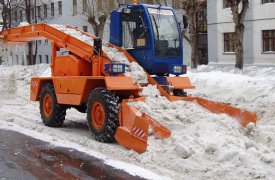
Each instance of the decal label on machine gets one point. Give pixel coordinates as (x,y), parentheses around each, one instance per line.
(138,132)
(34,84)
(160,11)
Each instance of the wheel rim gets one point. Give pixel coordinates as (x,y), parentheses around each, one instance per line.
(47,105)
(98,115)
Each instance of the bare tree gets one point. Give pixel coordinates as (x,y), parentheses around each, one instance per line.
(192,8)
(8,8)
(28,8)
(5,6)
(97,12)
(239,9)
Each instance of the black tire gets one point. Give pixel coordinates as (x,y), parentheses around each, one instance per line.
(57,115)
(111,105)
(180,92)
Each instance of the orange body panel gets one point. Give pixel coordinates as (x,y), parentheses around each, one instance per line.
(120,83)
(70,65)
(70,84)
(69,99)
(74,90)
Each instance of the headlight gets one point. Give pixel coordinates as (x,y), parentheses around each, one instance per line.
(118,68)
(115,68)
(177,69)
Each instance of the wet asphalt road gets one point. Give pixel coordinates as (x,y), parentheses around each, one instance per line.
(23,157)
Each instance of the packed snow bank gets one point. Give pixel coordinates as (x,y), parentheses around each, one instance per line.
(23,24)
(203,145)
(132,69)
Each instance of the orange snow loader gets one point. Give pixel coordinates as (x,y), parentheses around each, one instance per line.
(87,79)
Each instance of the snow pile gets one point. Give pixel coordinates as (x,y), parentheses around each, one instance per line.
(132,69)
(203,145)
(23,24)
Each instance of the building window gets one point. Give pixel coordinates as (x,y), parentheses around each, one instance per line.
(267,1)
(40,59)
(52,9)
(226,3)
(229,39)
(46,41)
(39,11)
(47,59)
(60,8)
(39,42)
(85,28)
(269,41)
(17,59)
(32,13)
(15,16)
(45,10)
(21,16)
(74,7)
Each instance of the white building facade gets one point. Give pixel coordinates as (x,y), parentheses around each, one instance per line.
(259,37)
(50,12)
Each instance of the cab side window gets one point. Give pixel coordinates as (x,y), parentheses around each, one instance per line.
(134,33)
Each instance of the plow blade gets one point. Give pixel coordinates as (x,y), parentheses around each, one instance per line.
(160,132)
(134,126)
(244,117)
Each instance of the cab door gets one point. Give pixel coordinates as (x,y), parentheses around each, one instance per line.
(135,37)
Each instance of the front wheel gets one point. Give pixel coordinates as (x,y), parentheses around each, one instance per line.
(102,114)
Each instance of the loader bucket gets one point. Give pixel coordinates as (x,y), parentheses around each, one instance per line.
(134,126)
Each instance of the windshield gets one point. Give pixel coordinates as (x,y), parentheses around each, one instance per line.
(166,34)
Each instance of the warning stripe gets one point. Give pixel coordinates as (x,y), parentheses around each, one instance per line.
(138,132)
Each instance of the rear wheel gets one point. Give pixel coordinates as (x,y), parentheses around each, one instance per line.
(102,114)
(52,113)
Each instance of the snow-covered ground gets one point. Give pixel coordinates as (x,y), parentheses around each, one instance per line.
(203,145)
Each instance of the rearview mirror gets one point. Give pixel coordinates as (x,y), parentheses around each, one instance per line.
(185,22)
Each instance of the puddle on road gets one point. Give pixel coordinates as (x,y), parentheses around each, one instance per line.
(26,158)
